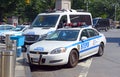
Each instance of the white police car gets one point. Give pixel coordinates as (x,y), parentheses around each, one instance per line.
(11,30)
(67,46)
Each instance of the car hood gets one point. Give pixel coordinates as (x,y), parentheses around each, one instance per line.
(10,33)
(38,31)
(48,46)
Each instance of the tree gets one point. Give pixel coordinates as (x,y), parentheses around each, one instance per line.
(36,7)
(27,12)
(99,8)
(7,6)
(77,4)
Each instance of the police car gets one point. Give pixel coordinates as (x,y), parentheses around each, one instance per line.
(66,46)
(11,30)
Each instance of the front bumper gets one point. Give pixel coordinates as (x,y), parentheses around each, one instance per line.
(47,59)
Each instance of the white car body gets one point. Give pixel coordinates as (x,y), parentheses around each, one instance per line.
(42,51)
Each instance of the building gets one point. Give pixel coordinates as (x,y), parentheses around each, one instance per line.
(63,4)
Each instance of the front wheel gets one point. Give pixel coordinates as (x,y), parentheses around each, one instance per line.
(73,59)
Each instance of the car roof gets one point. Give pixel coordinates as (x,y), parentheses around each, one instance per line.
(60,12)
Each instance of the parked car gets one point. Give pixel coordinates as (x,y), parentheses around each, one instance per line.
(18,30)
(101,24)
(117,24)
(66,46)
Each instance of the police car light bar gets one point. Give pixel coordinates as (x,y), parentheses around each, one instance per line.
(79,24)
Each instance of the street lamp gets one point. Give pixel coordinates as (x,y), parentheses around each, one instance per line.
(87,4)
(115,7)
(27,1)
(115,13)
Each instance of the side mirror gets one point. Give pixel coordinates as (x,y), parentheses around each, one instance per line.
(83,38)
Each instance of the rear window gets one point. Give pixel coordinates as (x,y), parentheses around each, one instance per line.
(81,18)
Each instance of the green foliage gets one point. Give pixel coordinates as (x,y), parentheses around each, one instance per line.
(27,12)
(77,4)
(7,6)
(99,8)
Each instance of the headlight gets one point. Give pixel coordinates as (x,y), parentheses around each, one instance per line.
(42,37)
(58,50)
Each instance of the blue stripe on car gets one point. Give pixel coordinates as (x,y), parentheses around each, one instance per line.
(89,48)
(92,38)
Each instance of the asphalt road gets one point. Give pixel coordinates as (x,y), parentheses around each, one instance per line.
(109,64)
(106,66)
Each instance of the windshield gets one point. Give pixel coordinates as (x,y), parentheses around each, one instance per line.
(19,28)
(6,27)
(63,35)
(45,21)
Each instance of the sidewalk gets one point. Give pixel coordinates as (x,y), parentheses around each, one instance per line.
(22,68)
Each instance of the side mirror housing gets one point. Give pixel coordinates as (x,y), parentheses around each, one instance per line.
(83,38)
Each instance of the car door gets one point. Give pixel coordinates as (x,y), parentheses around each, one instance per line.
(89,45)
(84,44)
(94,39)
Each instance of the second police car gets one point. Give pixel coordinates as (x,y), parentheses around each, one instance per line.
(66,46)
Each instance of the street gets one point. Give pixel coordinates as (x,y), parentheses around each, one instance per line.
(25,23)
(106,66)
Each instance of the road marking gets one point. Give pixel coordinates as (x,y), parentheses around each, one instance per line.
(86,66)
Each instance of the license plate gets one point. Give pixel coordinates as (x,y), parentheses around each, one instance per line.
(35,57)
(36,60)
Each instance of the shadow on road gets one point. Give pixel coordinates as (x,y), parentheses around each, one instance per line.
(43,68)
(113,40)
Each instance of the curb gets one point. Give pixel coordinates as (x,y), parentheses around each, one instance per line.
(26,66)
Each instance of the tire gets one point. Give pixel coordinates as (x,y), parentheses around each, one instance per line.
(106,29)
(73,59)
(101,50)
(24,49)
(29,59)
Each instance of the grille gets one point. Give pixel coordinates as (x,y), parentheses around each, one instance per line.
(34,52)
(31,37)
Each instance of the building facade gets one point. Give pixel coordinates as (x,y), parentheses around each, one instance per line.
(63,4)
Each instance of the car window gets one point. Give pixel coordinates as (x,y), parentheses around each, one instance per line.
(19,28)
(84,33)
(81,18)
(63,20)
(6,27)
(92,32)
